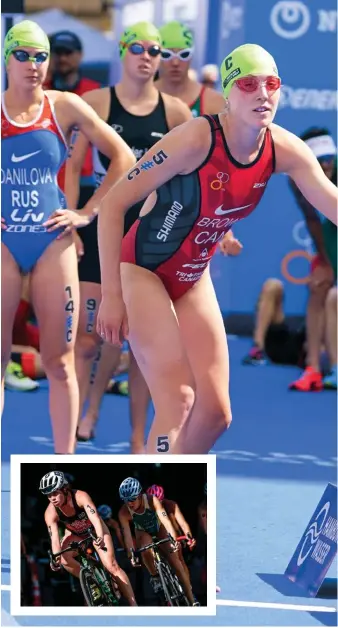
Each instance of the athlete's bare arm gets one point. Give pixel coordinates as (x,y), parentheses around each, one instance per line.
(162,515)
(182,522)
(51,519)
(75,112)
(214,102)
(85,501)
(98,99)
(124,519)
(297,160)
(176,110)
(181,151)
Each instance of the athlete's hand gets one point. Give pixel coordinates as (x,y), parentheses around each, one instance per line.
(78,245)
(99,542)
(66,219)
(3,224)
(174,546)
(55,564)
(112,324)
(191,543)
(230,245)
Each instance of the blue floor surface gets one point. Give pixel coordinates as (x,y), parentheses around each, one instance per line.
(273,466)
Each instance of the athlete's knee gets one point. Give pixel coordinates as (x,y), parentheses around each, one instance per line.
(87,345)
(114,569)
(60,367)
(186,397)
(273,288)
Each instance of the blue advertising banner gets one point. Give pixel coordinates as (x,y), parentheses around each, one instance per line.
(302,38)
(317,547)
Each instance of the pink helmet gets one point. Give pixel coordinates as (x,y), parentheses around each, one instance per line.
(156,491)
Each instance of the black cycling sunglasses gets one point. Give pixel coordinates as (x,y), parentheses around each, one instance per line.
(138,49)
(23,56)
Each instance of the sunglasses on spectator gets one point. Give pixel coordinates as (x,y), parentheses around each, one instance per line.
(250,84)
(23,56)
(183,55)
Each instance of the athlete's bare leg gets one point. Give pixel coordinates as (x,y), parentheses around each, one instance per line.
(315,314)
(87,340)
(55,298)
(176,563)
(86,349)
(331,325)
(106,365)
(204,338)
(269,309)
(11,286)
(139,398)
(154,337)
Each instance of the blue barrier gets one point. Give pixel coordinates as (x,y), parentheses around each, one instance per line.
(317,548)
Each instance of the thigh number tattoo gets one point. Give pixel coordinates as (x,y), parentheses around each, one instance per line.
(163,444)
(91,309)
(69,307)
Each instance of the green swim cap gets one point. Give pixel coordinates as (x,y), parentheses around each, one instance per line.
(142,31)
(244,60)
(176,35)
(27,34)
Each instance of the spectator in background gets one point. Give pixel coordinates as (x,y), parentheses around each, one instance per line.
(273,339)
(210,75)
(322,304)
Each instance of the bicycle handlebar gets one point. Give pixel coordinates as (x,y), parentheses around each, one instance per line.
(74,545)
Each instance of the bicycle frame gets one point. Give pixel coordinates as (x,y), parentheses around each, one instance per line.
(92,564)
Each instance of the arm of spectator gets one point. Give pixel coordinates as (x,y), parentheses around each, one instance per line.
(312,221)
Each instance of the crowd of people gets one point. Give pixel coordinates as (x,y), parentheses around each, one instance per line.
(171,133)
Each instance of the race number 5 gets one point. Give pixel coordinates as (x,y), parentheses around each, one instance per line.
(163,444)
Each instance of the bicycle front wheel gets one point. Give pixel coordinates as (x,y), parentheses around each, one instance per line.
(90,589)
(167,585)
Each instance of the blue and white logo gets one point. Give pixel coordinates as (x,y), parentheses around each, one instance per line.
(290,19)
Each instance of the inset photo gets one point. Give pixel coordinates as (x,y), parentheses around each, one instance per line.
(113,535)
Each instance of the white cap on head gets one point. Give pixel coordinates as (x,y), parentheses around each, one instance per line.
(322,146)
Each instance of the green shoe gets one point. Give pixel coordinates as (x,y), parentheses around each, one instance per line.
(15,379)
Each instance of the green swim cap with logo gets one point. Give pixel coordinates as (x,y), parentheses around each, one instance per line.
(142,31)
(176,35)
(244,60)
(27,34)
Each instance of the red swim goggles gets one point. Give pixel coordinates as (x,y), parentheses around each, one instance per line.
(250,84)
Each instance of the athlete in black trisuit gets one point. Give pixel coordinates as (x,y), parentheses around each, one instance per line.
(77,512)
(141,115)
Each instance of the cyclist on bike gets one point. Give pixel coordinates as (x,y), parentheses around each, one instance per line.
(76,511)
(151,521)
(174,513)
(176,517)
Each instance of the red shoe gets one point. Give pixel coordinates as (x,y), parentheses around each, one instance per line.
(310,381)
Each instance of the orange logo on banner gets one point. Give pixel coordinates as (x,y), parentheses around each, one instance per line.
(300,281)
